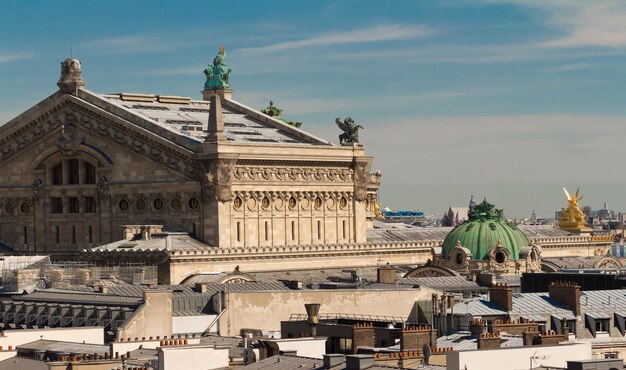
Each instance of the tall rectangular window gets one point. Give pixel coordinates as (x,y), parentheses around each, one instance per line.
(90,205)
(58,235)
(238,231)
(74,205)
(25,235)
(319,229)
(90,230)
(73,234)
(344,228)
(57,205)
(267,231)
(293,230)
(73,175)
(57,174)
(90,173)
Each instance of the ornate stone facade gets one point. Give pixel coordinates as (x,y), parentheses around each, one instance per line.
(79,165)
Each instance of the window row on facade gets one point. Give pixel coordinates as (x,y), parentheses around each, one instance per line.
(73,172)
(157,204)
(59,205)
(292,203)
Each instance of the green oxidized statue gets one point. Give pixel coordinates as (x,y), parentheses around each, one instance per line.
(275,112)
(217,74)
(350,130)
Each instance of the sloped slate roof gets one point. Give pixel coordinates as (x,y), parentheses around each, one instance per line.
(446,283)
(19,363)
(411,234)
(158,242)
(464,340)
(190,118)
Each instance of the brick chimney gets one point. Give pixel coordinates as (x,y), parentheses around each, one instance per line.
(489,341)
(502,296)
(530,337)
(477,327)
(566,293)
(362,336)
(551,337)
(413,337)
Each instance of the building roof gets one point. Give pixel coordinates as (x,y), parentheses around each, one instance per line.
(158,242)
(576,262)
(189,118)
(282,362)
(58,346)
(414,234)
(484,229)
(543,231)
(447,283)
(528,305)
(21,262)
(20,363)
(464,340)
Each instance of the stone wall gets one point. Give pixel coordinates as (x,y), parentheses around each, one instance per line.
(152,319)
(266,309)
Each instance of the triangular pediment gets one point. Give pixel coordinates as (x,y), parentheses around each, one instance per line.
(59,111)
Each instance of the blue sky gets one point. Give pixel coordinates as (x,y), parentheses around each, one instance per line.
(509,100)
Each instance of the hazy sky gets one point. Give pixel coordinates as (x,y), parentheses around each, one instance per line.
(509,100)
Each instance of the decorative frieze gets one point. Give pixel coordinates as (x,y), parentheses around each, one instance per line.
(290,200)
(261,173)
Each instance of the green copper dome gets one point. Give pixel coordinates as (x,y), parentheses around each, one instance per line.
(482,231)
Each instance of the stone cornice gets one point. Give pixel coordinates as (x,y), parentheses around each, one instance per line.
(283,252)
(308,251)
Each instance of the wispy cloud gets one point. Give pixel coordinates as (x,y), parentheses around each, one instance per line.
(6,58)
(127,44)
(589,23)
(138,43)
(190,70)
(569,67)
(583,23)
(362,35)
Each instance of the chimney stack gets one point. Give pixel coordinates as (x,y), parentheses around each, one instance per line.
(489,341)
(502,296)
(567,293)
(312,311)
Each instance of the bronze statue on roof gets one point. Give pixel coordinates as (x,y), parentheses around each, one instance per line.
(350,130)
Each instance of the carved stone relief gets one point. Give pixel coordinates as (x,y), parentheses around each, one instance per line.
(361,180)
(254,173)
(217,180)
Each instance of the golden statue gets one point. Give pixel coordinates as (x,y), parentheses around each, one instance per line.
(377,211)
(572,217)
